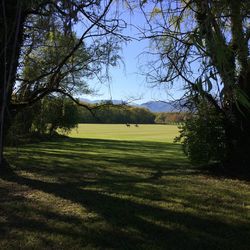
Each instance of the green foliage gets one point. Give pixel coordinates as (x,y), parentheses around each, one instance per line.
(242,99)
(45,58)
(56,113)
(202,136)
(171,117)
(112,114)
(206,45)
(155,12)
(44,118)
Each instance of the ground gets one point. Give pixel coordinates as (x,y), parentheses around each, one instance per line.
(118,187)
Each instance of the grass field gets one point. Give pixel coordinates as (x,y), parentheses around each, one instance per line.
(157,133)
(113,187)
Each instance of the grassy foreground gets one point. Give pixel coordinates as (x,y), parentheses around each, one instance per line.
(113,187)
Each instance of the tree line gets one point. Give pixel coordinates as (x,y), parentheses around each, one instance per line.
(112,114)
(55,114)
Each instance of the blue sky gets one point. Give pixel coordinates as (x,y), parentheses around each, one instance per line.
(127,82)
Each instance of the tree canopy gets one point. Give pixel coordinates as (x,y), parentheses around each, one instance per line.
(205,44)
(41,52)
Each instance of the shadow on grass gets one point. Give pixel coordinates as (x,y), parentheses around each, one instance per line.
(118,182)
(216,170)
(107,158)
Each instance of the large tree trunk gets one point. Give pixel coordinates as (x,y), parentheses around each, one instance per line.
(238,133)
(238,139)
(11,32)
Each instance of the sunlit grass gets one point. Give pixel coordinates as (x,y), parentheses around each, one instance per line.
(120,190)
(144,132)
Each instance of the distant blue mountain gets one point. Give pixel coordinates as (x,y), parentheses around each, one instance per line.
(153,106)
(159,106)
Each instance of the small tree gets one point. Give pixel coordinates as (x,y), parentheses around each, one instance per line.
(203,135)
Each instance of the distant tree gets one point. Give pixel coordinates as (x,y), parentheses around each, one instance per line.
(160,118)
(56,113)
(44,118)
(173,117)
(117,114)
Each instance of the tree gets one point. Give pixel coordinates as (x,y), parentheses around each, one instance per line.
(56,113)
(202,135)
(205,44)
(40,50)
(173,117)
(117,114)
(43,119)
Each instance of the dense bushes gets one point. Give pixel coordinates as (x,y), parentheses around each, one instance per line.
(202,136)
(56,113)
(44,118)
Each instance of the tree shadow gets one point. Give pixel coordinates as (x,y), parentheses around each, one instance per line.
(120,190)
(123,215)
(217,170)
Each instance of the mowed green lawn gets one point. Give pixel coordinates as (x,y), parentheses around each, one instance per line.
(113,187)
(144,132)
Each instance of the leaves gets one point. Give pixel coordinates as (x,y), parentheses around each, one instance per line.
(155,12)
(176,20)
(242,98)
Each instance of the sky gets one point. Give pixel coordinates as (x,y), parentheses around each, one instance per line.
(127,81)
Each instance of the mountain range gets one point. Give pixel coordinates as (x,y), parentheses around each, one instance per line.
(160,106)
(153,106)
